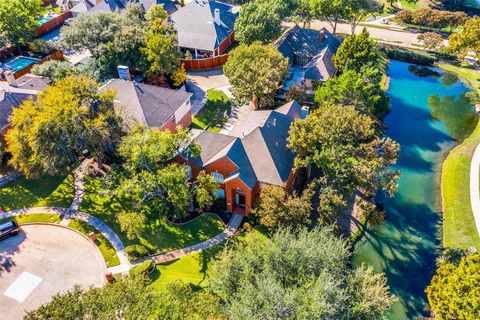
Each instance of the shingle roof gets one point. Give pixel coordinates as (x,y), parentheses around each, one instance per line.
(9,101)
(306,42)
(114,5)
(28,86)
(196,27)
(146,104)
(262,154)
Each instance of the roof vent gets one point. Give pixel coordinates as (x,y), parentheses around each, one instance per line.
(216,16)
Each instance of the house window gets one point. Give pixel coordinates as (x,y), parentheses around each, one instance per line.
(221,194)
(218,177)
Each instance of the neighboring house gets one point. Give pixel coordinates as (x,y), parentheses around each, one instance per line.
(309,54)
(243,165)
(152,106)
(204,27)
(12,96)
(80,7)
(114,5)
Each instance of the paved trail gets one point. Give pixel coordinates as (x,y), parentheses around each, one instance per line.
(67,214)
(475,187)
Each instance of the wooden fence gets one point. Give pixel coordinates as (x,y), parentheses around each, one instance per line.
(57,55)
(205,64)
(52,24)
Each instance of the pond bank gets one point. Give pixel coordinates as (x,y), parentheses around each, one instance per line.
(420,120)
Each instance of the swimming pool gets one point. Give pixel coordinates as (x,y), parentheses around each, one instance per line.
(44,19)
(20,63)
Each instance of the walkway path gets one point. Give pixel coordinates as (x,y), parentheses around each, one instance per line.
(233,225)
(67,214)
(475,187)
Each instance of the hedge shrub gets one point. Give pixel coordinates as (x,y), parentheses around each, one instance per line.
(143,268)
(136,252)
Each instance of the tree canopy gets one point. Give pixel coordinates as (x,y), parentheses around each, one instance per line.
(149,184)
(356,52)
(278,210)
(19,20)
(455,288)
(68,120)
(361,90)
(255,71)
(344,145)
(301,275)
(258,21)
(467,40)
(160,49)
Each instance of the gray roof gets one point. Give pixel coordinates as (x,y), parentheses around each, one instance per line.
(149,105)
(306,43)
(9,101)
(28,86)
(262,154)
(114,5)
(196,28)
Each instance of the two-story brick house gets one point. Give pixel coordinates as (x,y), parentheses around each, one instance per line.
(243,164)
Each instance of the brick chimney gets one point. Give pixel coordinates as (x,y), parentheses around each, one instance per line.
(321,36)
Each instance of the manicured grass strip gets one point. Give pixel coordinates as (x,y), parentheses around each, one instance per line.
(48,191)
(108,252)
(458,224)
(194,269)
(158,235)
(459,229)
(34,217)
(213,112)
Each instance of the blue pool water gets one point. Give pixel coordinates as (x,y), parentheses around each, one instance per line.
(52,36)
(20,63)
(44,19)
(427,113)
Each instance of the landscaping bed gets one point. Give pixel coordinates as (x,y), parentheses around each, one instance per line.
(212,115)
(106,249)
(159,235)
(49,191)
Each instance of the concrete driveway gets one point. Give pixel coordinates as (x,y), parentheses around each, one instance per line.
(42,261)
(199,82)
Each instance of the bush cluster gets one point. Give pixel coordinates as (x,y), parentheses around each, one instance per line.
(136,252)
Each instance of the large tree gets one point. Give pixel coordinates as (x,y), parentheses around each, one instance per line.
(255,72)
(150,184)
(160,51)
(359,9)
(68,120)
(359,89)
(302,275)
(467,40)
(345,146)
(277,210)
(113,38)
(258,21)
(332,11)
(356,52)
(455,289)
(19,20)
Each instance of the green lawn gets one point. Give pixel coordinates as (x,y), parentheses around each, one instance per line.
(458,224)
(159,235)
(35,217)
(105,247)
(212,114)
(194,268)
(48,191)
(412,5)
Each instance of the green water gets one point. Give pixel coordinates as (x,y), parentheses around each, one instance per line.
(427,113)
